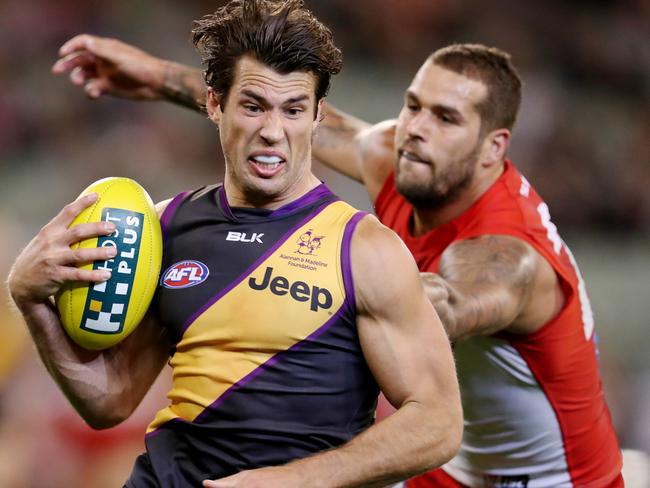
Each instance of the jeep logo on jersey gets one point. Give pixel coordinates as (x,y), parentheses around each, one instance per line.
(107,302)
(298,290)
(185,274)
(242,237)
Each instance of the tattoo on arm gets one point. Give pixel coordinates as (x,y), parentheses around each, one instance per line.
(489,259)
(493,276)
(185,86)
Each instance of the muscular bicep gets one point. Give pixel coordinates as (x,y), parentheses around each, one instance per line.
(499,282)
(402,338)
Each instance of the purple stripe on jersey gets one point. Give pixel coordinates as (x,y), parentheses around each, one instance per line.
(310,197)
(346,268)
(168,213)
(270,362)
(253,266)
(223,203)
(159,429)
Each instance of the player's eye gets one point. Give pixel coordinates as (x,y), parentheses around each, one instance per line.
(252,108)
(294,111)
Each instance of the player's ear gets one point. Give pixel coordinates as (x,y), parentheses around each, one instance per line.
(319,113)
(495,147)
(213,106)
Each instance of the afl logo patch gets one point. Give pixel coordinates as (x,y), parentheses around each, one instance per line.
(185,274)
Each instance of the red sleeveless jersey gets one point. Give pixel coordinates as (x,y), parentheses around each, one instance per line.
(534,409)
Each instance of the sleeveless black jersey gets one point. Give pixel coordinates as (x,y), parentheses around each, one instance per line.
(267,365)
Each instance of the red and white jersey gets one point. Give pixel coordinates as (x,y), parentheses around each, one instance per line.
(534,410)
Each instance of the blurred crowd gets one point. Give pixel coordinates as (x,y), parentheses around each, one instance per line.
(583,139)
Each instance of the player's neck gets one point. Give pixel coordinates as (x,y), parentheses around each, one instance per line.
(236,197)
(427,219)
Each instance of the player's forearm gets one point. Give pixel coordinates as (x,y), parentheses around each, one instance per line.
(411,441)
(83,376)
(183,85)
(472,309)
(336,142)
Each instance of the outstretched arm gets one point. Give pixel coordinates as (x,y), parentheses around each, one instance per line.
(409,355)
(109,66)
(104,386)
(492,283)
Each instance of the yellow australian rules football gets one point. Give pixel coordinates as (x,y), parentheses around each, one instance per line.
(99,315)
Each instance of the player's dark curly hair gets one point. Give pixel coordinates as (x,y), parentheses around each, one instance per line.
(493,67)
(283,35)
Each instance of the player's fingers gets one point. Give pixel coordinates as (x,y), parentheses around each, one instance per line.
(71,210)
(71,273)
(72,61)
(81,256)
(80,76)
(214,484)
(80,232)
(435,289)
(96,87)
(77,43)
(103,47)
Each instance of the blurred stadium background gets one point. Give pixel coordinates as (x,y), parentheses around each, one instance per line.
(583,139)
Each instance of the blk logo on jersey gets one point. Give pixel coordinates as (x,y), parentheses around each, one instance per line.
(300,291)
(185,274)
(243,237)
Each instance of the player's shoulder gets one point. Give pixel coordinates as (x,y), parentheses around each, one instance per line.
(377,141)
(375,245)
(162,206)
(205,193)
(371,230)
(381,265)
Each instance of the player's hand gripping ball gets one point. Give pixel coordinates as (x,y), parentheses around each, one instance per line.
(99,315)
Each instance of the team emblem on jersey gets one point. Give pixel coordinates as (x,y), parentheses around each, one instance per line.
(308,243)
(185,274)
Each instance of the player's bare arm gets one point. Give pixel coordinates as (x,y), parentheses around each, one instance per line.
(104,386)
(109,66)
(409,354)
(355,148)
(492,283)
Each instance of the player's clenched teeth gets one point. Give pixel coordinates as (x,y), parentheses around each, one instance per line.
(267,162)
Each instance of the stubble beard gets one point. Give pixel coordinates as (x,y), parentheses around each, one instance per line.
(442,188)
